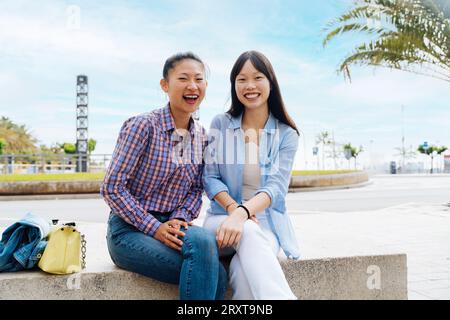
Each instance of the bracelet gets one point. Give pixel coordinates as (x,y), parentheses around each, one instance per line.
(246,210)
(226,208)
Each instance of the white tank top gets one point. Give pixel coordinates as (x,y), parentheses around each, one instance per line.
(251,180)
(252,174)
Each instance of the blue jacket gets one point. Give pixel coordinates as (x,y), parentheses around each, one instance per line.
(224,160)
(23,243)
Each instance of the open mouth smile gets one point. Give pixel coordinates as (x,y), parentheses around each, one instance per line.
(252,96)
(191,98)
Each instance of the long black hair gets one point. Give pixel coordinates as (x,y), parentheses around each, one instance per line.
(275,101)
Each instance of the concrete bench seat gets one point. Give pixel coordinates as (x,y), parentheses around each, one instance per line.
(334,278)
(359,277)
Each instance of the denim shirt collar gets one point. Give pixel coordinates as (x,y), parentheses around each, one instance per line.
(236,122)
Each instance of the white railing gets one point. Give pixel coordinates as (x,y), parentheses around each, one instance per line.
(52,163)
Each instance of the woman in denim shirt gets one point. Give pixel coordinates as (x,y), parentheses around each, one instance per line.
(246,176)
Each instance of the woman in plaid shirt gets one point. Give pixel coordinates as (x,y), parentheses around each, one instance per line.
(154,189)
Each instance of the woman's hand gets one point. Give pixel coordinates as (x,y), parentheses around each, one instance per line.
(229,232)
(169,233)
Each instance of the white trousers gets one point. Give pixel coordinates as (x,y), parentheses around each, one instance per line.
(255,273)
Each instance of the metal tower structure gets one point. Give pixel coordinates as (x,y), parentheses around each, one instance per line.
(82,123)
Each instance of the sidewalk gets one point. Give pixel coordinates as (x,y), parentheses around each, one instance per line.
(420,230)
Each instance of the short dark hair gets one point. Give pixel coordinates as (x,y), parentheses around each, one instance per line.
(275,101)
(173,60)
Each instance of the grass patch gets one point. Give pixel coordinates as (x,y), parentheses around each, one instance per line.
(319,172)
(52,177)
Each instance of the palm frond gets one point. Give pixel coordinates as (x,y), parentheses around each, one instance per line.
(410,34)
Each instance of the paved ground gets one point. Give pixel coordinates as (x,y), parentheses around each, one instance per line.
(395,214)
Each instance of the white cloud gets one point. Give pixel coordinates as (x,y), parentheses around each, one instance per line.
(388,88)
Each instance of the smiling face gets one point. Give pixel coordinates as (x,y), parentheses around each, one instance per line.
(252,87)
(185,85)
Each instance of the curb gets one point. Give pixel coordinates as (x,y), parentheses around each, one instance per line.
(312,189)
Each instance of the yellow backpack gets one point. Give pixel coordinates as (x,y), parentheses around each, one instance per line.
(65,252)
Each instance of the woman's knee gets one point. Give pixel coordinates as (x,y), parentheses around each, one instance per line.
(199,239)
(251,230)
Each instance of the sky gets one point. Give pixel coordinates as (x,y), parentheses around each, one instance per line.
(122,45)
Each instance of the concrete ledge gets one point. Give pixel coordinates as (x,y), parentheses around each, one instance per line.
(93,187)
(49,187)
(329,180)
(365,277)
(379,277)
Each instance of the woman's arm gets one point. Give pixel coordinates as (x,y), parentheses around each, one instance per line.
(258,203)
(226,201)
(133,137)
(212,180)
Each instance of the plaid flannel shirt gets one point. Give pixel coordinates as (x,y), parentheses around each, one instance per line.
(155,169)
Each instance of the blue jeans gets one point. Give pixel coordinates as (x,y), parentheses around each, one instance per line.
(196,269)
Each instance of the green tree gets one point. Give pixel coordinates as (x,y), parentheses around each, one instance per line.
(432,151)
(335,150)
(352,152)
(408,35)
(2,145)
(69,148)
(91,145)
(17,137)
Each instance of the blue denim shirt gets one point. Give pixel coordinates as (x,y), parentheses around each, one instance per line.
(23,243)
(224,163)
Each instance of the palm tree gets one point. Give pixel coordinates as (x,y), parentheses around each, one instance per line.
(405,154)
(18,138)
(408,35)
(323,138)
